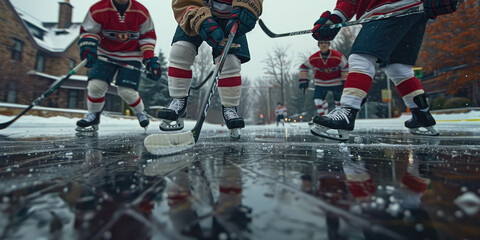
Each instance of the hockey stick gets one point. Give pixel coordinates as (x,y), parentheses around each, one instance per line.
(338,25)
(203,82)
(45,94)
(163,144)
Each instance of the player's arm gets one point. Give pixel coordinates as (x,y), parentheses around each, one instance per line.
(146,42)
(303,76)
(89,39)
(190,15)
(344,11)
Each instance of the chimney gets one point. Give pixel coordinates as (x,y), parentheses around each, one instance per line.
(65,14)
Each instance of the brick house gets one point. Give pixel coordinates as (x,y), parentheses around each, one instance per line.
(33,55)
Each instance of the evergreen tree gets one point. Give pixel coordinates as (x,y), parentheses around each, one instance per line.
(155,93)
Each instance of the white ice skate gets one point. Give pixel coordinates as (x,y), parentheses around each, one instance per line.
(233,122)
(335,125)
(89,123)
(173,116)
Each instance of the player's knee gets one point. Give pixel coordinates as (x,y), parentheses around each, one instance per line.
(97,88)
(232,65)
(362,63)
(399,72)
(182,53)
(128,94)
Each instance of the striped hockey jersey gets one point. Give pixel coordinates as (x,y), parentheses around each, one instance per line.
(329,72)
(127,37)
(346,9)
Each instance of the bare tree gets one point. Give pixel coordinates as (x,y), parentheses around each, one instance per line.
(277,69)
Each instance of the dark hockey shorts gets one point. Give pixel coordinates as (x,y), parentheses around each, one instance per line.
(242,52)
(106,71)
(321,92)
(394,40)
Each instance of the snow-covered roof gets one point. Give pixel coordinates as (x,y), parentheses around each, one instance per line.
(48,36)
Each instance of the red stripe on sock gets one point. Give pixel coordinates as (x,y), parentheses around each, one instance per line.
(230,82)
(359,80)
(179,73)
(96,100)
(136,102)
(408,86)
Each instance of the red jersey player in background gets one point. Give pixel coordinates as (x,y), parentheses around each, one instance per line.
(281,112)
(331,68)
(122,31)
(395,44)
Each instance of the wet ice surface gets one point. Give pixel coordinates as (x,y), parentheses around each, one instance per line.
(275,183)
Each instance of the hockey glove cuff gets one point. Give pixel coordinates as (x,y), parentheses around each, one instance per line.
(321,31)
(434,8)
(153,67)
(211,32)
(246,21)
(88,50)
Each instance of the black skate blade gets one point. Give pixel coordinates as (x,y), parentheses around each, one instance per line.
(167,144)
(424,131)
(320,131)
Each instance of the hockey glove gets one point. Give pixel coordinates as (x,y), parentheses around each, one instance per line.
(434,8)
(88,50)
(303,85)
(211,32)
(321,31)
(246,21)
(154,71)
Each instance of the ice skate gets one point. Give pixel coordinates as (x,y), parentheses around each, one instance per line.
(335,125)
(143,119)
(173,116)
(233,121)
(89,123)
(422,121)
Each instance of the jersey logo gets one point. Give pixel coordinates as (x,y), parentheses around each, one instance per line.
(121,36)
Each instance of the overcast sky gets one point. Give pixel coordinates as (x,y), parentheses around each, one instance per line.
(279,15)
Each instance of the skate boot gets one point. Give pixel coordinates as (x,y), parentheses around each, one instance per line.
(233,121)
(143,119)
(175,112)
(422,121)
(340,119)
(89,123)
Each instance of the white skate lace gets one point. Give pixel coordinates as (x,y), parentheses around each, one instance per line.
(90,117)
(230,113)
(176,104)
(340,114)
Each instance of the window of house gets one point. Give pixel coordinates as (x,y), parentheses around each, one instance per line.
(40,63)
(71,65)
(11,96)
(17,50)
(73,98)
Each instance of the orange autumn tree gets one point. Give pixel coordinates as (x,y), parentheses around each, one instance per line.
(451,49)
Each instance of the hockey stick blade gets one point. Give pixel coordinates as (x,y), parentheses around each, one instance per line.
(339,25)
(45,94)
(166,144)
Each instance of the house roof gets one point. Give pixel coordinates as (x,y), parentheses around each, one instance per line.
(47,36)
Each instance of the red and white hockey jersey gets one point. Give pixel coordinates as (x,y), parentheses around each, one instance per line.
(329,72)
(281,110)
(127,37)
(346,9)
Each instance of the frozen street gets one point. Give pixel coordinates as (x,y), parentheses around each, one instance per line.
(275,183)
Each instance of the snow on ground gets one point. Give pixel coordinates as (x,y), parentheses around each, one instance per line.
(33,126)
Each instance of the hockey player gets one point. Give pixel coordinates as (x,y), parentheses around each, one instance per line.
(208,21)
(122,31)
(331,69)
(394,43)
(281,112)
